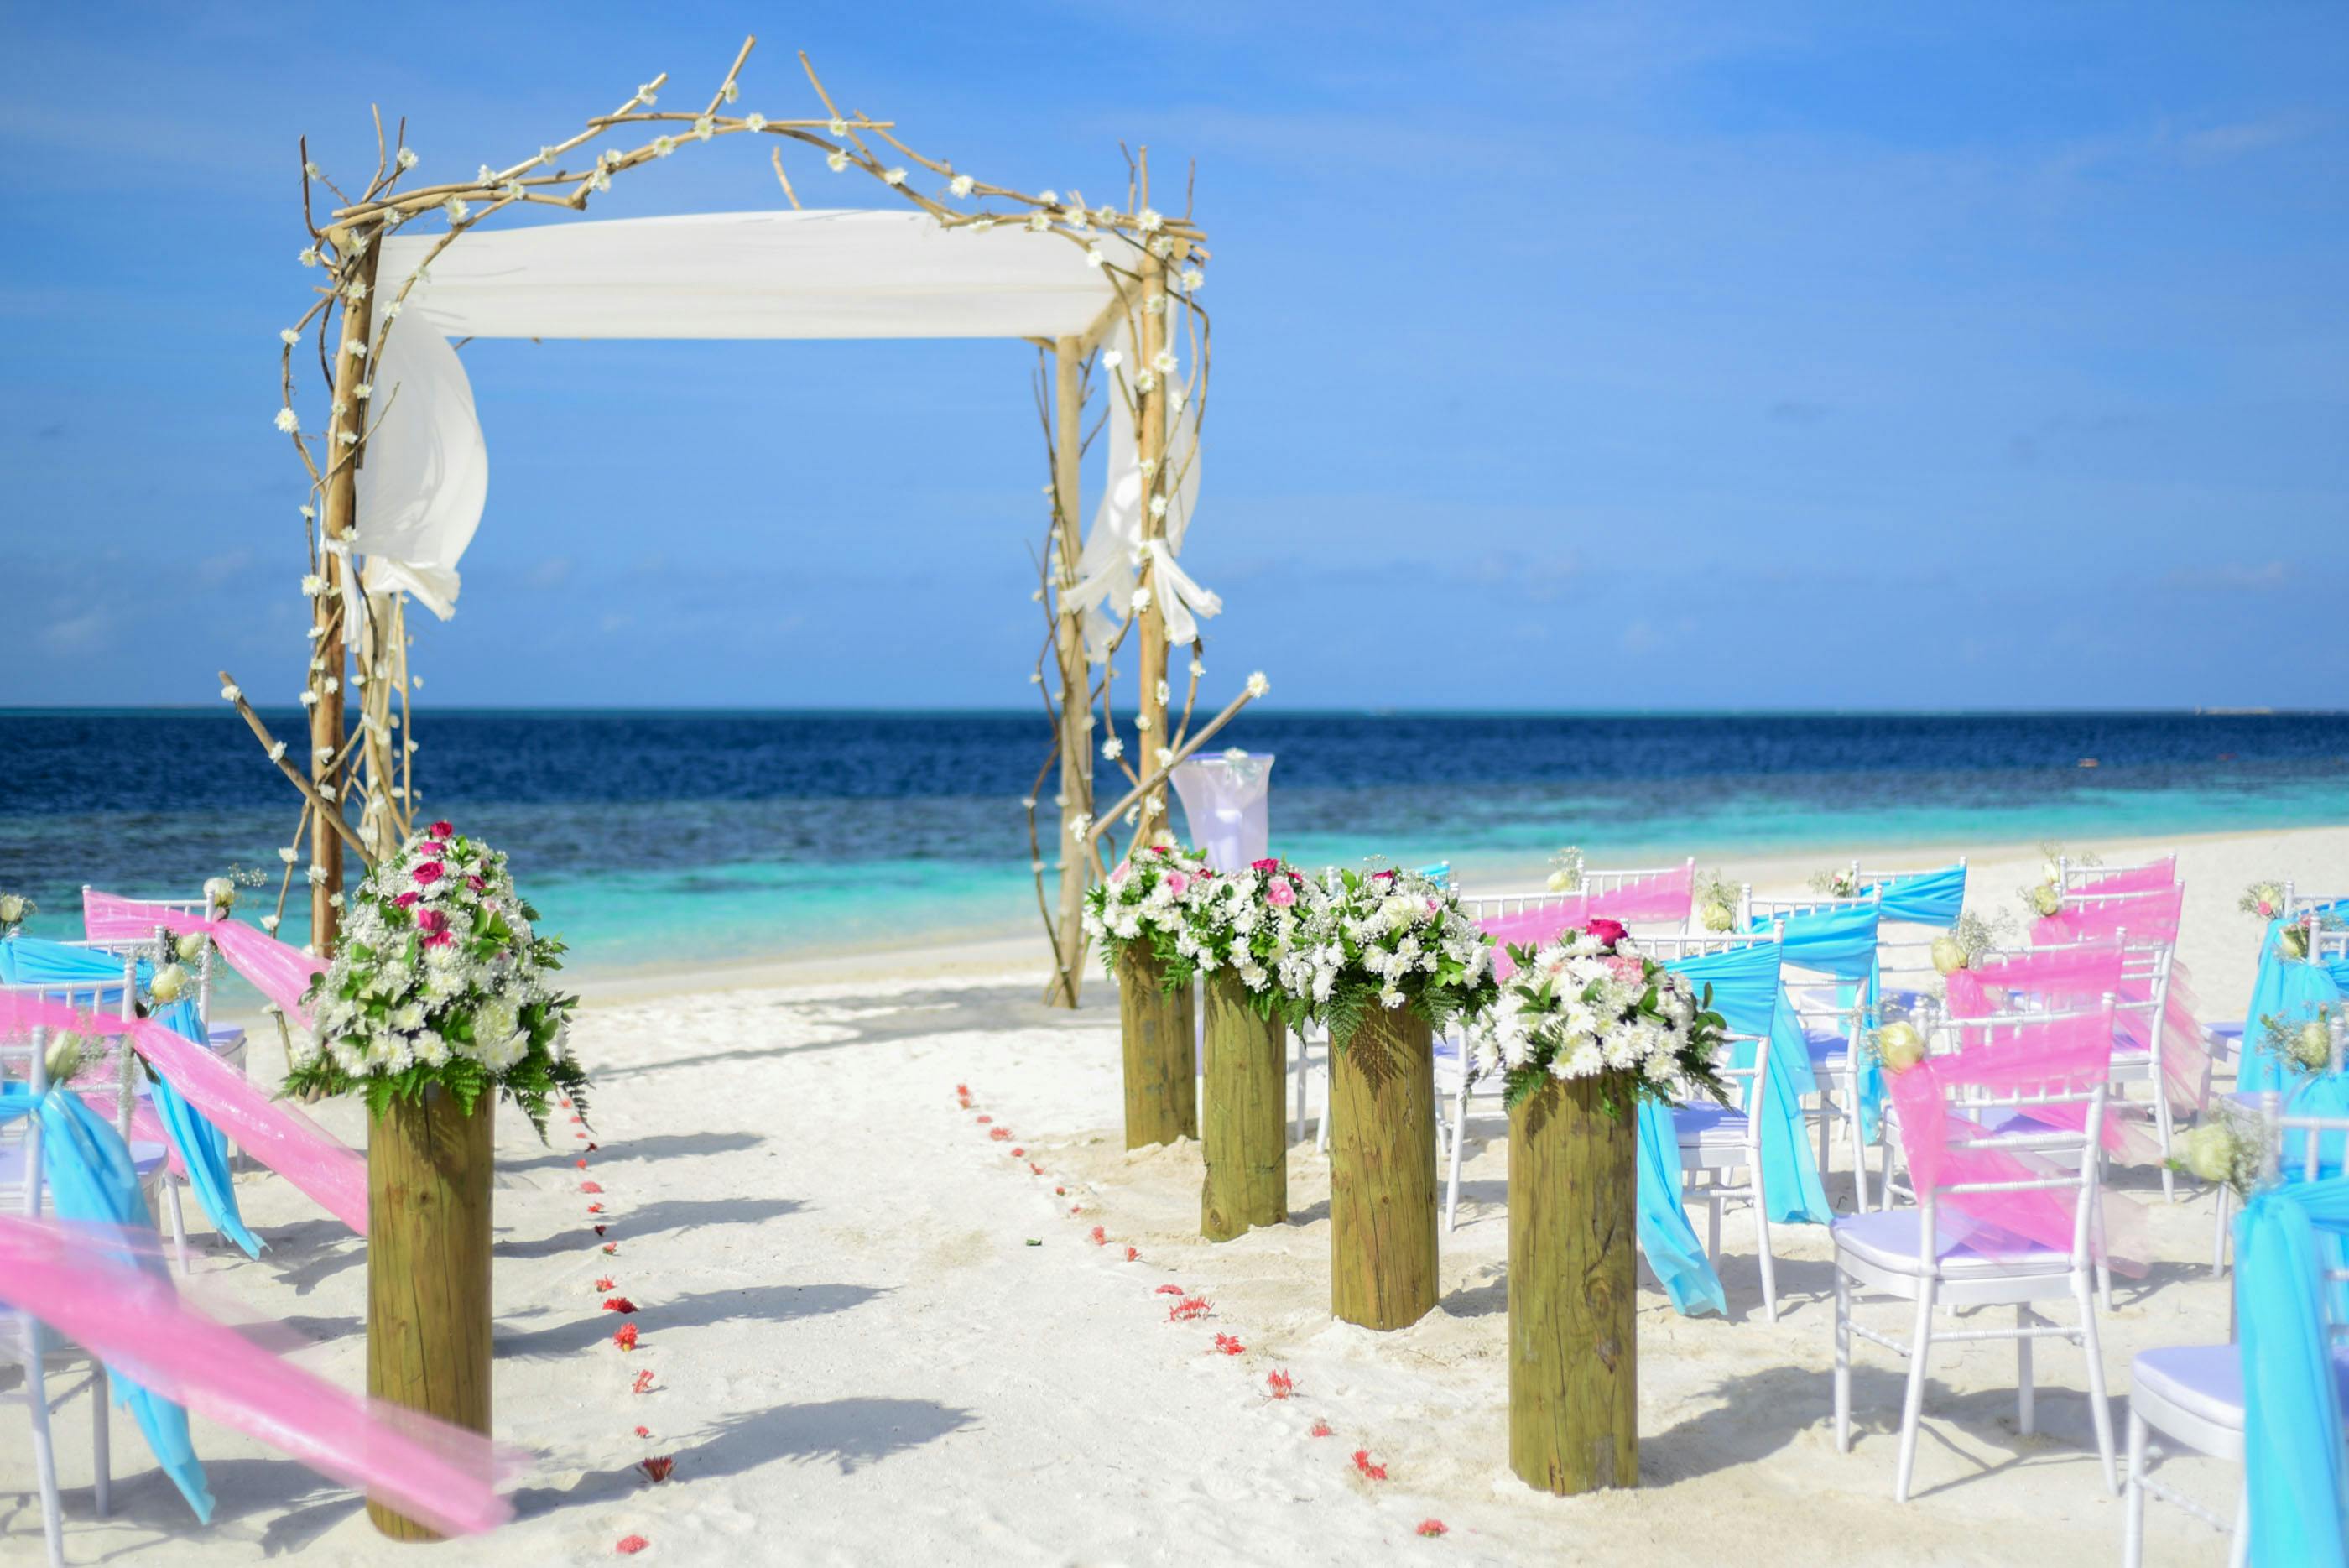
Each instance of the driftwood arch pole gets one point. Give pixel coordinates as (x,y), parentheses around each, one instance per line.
(1076,769)
(1150,449)
(332,610)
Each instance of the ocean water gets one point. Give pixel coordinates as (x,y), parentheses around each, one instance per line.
(659,837)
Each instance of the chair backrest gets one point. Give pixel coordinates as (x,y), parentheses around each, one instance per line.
(2075,876)
(1754,909)
(1671,945)
(2300,1145)
(1593,880)
(24,1059)
(117,1063)
(2325,945)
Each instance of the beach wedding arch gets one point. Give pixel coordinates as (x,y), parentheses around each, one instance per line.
(399,272)
(1104,286)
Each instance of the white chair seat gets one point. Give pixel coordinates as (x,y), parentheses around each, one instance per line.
(1710,1125)
(1887,1239)
(2206,1381)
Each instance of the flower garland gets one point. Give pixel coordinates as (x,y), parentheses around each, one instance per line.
(2305,1042)
(2230,1147)
(1716,901)
(1566,870)
(1391,939)
(1591,1006)
(1842,882)
(1146,899)
(2264,899)
(1251,923)
(440,979)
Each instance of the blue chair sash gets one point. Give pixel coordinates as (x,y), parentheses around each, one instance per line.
(2294,1468)
(88,1169)
(203,1148)
(1842,943)
(1662,1222)
(1747,993)
(2285,988)
(1925,897)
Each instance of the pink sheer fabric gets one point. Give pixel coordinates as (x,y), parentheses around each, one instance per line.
(2062,1056)
(277,970)
(1667,896)
(280,1136)
(1527,927)
(2145,878)
(133,1319)
(2150,916)
(2058,979)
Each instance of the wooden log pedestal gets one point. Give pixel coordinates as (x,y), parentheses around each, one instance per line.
(428,1166)
(1161,1031)
(1244,1124)
(1574,1387)
(1382,1172)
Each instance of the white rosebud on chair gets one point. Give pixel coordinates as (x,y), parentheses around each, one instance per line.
(1899,1046)
(1949,955)
(169,983)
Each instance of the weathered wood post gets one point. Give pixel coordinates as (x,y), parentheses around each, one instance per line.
(332,612)
(1244,1125)
(1162,1096)
(1076,765)
(1382,1172)
(428,1167)
(1574,1387)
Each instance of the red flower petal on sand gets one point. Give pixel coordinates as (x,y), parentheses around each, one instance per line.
(657,1470)
(610,1248)
(1076,1208)
(1431,1527)
(1000,1135)
(1130,1254)
(644,1383)
(1228,1344)
(984,1120)
(1370,1471)
(599,1230)
(1019,1154)
(595,1208)
(631,1544)
(1189,1307)
(603,1284)
(564,1104)
(1318,1429)
(580,1163)
(1100,1237)
(644,1432)
(594,1147)
(1035,1169)
(1059,1192)
(626,1338)
(1281,1383)
(590,1186)
(619,1304)
(1170,1289)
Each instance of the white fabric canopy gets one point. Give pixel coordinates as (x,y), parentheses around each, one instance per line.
(831,274)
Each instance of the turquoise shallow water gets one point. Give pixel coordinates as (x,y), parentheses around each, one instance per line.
(660,838)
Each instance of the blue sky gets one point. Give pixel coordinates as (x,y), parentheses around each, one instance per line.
(1614,356)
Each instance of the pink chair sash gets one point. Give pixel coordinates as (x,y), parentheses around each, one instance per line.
(135,1321)
(280,1136)
(2059,979)
(1666,896)
(2064,1055)
(2149,917)
(279,972)
(2144,878)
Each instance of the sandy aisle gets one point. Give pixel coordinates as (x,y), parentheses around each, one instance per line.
(858,1358)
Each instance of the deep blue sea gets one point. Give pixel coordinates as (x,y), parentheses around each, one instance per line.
(654,838)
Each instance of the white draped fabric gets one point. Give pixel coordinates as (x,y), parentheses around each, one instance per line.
(810,274)
(1224,800)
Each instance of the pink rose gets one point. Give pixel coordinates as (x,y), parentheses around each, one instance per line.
(1266,867)
(1626,968)
(443,830)
(428,873)
(405,899)
(1382,876)
(1605,930)
(1280,894)
(430,920)
(2267,908)
(1176,883)
(439,939)
(432,850)
(475,883)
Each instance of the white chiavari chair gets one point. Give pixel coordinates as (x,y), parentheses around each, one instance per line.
(1831,1028)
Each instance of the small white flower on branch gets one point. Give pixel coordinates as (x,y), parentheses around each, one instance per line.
(1162,247)
(269,923)
(1141,724)
(1180,396)
(311,170)
(415,683)
(288,853)
(348,438)
(1163,361)
(610,157)
(982,225)
(1164,755)
(1192,278)
(753,121)
(229,693)
(309,258)
(646,96)
(1027,802)
(1037,866)
(1197,669)
(704,127)
(317,875)
(1037,597)
(599,180)
(1156,804)
(1104,217)
(333,684)
(365,389)
(1039,223)
(1155,306)
(1150,221)
(338,409)
(355,290)
(730,91)
(1145,382)
(1081,825)
(1158,506)
(1050,197)
(457,211)
(1132,816)
(1149,465)
(312,586)
(309,699)
(1141,600)
(1035,678)
(839,127)
(835,160)
(1164,692)
(895,176)
(663,146)
(1093,255)
(334,900)
(511,191)
(546,156)
(1258,685)
(392,310)
(960,184)
(287,335)
(315,632)
(309,511)
(407,158)
(1113,748)
(287,421)
(356,348)
(486,175)
(277,752)
(1112,359)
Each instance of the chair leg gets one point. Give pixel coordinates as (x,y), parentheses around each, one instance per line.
(45,1458)
(1459,1130)
(101,1436)
(1762,1245)
(1296,1122)
(2025,1401)
(2238,1550)
(179,1223)
(1842,1360)
(2219,1231)
(1912,1406)
(1712,1230)
(2100,1410)
(1858,1152)
(1329,1091)
(2161,1123)
(2133,1498)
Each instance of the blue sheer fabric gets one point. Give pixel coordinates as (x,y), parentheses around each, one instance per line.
(1924,898)
(92,1180)
(1840,943)
(2285,988)
(2315,1094)
(2294,1470)
(203,1148)
(1666,1236)
(36,961)
(1747,994)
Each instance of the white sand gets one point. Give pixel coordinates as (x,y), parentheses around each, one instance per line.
(858,1358)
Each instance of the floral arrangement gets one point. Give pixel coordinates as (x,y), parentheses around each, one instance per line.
(1566,869)
(1388,938)
(2303,1042)
(1896,1044)
(16,909)
(1146,899)
(1716,901)
(2264,899)
(1249,923)
(1589,1006)
(440,978)
(2228,1146)
(1842,882)
(1968,941)
(2045,897)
